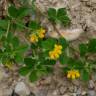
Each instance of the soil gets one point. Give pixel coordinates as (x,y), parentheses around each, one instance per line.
(83,16)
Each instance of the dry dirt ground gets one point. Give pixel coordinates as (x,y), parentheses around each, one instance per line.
(83,15)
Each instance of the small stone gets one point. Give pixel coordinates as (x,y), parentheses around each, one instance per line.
(21,89)
(74,94)
(83,93)
(91,93)
(71,88)
(62,89)
(78,91)
(55,92)
(71,34)
(66,95)
(9,92)
(91,84)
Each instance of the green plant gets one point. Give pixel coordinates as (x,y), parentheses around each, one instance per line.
(59,15)
(24,42)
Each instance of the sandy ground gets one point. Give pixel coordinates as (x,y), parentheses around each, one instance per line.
(83,15)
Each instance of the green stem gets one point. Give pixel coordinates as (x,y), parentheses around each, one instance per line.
(8,28)
(22,25)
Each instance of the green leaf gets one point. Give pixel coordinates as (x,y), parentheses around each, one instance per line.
(62,16)
(33,76)
(49,62)
(22,12)
(48,44)
(52,14)
(33,46)
(63,58)
(65,69)
(59,15)
(61,12)
(9,37)
(65,20)
(85,75)
(2,32)
(13,11)
(22,49)
(29,62)
(24,71)
(19,26)
(92,46)
(19,58)
(41,72)
(34,25)
(3,24)
(15,42)
(83,49)
(63,42)
(75,63)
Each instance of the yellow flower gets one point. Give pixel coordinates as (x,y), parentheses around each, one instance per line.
(58,46)
(41,33)
(51,54)
(73,74)
(9,65)
(33,38)
(55,53)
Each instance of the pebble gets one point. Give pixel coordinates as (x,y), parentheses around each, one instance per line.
(71,34)
(62,89)
(66,95)
(91,93)
(21,89)
(91,84)
(84,93)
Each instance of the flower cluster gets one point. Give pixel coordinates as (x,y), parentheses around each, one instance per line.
(9,64)
(56,52)
(33,38)
(73,74)
(40,34)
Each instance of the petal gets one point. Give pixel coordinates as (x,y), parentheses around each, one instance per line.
(68,75)
(73,76)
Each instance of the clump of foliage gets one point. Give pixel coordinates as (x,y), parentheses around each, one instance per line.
(37,54)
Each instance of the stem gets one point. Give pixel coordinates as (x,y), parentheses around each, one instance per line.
(48,21)
(8,28)
(22,25)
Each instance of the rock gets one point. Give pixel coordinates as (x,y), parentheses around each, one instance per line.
(91,84)
(71,34)
(54,93)
(84,93)
(21,89)
(9,92)
(62,89)
(78,91)
(5,91)
(94,77)
(91,93)
(71,88)
(66,95)
(74,94)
